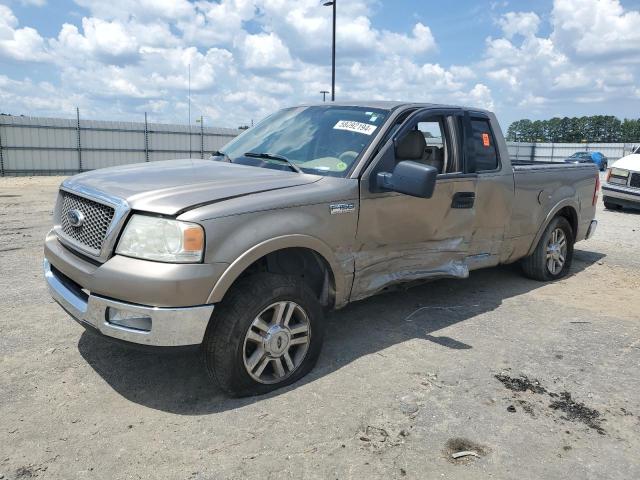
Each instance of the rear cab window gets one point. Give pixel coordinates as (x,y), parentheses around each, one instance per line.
(484,146)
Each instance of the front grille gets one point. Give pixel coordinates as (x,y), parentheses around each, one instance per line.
(618,180)
(635,180)
(97,218)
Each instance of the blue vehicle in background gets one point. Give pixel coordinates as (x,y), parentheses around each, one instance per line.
(585,157)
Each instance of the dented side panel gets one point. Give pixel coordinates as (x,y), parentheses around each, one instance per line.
(402,238)
(493,207)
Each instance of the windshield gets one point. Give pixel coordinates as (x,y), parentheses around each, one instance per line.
(324,140)
(581,155)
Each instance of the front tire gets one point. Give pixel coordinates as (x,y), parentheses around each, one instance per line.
(551,260)
(610,205)
(266,334)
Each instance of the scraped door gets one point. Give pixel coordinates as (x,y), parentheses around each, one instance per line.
(402,238)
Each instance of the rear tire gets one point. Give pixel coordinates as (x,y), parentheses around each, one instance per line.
(551,260)
(249,346)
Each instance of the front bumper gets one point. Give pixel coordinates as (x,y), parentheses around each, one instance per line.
(620,192)
(169,327)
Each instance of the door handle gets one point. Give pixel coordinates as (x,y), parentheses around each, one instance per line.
(463,200)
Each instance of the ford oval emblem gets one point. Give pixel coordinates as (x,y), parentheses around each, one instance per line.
(75,217)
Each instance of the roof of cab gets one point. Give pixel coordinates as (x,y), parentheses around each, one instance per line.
(390,105)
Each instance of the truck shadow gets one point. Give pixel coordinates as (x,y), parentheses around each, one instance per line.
(177,383)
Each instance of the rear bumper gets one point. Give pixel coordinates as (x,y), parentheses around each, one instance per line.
(592,229)
(167,327)
(628,194)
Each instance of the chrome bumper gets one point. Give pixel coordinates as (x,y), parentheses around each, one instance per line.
(170,327)
(621,192)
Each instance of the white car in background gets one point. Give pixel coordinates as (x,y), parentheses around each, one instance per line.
(622,186)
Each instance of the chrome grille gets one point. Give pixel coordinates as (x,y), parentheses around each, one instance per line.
(97,218)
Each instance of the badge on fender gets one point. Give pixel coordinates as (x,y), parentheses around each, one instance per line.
(339,208)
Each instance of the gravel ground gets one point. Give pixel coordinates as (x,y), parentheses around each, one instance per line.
(540,380)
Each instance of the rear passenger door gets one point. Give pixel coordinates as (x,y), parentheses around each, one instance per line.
(494,190)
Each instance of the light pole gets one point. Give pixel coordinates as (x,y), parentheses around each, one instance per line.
(324,95)
(332,3)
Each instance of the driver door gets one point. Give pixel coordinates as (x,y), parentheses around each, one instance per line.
(403,238)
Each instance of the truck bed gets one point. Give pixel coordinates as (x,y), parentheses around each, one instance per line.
(540,186)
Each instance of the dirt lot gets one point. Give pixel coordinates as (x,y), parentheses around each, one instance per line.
(540,380)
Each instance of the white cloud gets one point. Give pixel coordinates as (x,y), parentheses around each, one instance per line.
(519,23)
(591,55)
(23,44)
(588,28)
(213,23)
(107,41)
(420,41)
(33,3)
(43,97)
(480,95)
(250,57)
(462,72)
(505,76)
(265,51)
(140,9)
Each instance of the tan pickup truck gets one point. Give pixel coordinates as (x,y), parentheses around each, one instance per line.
(315,207)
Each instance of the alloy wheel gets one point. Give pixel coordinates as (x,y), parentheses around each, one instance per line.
(556,251)
(277,342)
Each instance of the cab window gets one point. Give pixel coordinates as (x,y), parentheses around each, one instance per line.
(433,134)
(483,145)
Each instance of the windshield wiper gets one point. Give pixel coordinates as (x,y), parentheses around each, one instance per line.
(273,156)
(225,157)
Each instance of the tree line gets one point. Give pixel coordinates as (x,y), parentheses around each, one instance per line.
(594,129)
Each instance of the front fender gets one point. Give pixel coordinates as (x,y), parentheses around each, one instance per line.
(258,251)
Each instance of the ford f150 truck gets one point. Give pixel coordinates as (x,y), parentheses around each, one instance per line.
(315,207)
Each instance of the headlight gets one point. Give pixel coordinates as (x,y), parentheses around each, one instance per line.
(161,239)
(618,172)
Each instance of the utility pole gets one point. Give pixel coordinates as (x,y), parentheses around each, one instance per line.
(1,158)
(332,3)
(146,138)
(79,145)
(324,95)
(189,102)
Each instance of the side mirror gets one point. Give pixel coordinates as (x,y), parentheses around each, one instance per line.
(411,178)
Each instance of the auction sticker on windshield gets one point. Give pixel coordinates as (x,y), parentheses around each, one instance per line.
(357,127)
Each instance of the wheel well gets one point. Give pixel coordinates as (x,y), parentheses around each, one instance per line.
(305,263)
(572,217)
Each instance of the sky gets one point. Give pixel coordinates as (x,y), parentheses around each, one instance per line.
(117,59)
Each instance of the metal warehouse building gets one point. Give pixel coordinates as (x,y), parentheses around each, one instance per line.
(50,146)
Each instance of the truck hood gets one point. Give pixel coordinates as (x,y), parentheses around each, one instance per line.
(174,186)
(630,162)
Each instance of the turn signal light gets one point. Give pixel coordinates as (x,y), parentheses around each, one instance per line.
(193,239)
